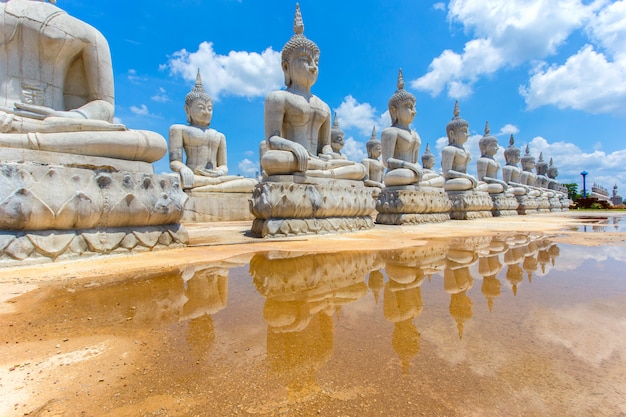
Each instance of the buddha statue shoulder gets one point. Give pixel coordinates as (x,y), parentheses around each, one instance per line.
(297,123)
(205,168)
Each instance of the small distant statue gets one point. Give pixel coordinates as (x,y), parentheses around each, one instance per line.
(529,177)
(401,144)
(455,157)
(487,166)
(511,172)
(333,151)
(206,166)
(429,175)
(297,123)
(375,169)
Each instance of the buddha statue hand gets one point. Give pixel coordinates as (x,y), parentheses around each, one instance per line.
(40,112)
(6,122)
(208,172)
(300,152)
(186,174)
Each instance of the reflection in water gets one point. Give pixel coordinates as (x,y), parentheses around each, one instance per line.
(305,334)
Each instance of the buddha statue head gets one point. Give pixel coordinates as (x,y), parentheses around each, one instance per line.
(198,104)
(488,144)
(512,153)
(457,129)
(428,159)
(374,146)
(336,135)
(401,104)
(542,166)
(553,171)
(299,48)
(528,161)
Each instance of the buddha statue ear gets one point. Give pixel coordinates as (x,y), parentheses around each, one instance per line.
(187,113)
(393,113)
(285,66)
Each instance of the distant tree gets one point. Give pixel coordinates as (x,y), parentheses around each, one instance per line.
(572,191)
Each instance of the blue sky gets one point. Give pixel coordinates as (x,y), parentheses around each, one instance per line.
(552,72)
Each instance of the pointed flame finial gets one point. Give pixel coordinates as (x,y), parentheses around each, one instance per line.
(298,23)
(511,140)
(335,120)
(487,130)
(457,111)
(373,132)
(400,80)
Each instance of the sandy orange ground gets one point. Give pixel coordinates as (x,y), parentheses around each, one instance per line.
(49,374)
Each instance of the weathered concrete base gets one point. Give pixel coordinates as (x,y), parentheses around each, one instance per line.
(297,205)
(216,207)
(555,204)
(412,205)
(42,246)
(50,211)
(527,205)
(543,204)
(504,205)
(468,205)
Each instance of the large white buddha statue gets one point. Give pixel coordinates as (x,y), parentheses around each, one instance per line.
(455,158)
(298,123)
(205,168)
(56,87)
(486,166)
(401,143)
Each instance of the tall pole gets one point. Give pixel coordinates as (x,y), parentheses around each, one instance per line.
(584,174)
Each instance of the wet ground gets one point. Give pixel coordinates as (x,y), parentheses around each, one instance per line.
(467,318)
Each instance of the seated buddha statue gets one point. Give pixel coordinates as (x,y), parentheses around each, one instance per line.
(57,93)
(206,166)
(297,123)
(455,158)
(529,177)
(429,175)
(401,143)
(552,173)
(511,172)
(373,167)
(486,166)
(333,151)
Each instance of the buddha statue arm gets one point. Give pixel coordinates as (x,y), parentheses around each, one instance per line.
(481,171)
(447,161)
(274,115)
(176,156)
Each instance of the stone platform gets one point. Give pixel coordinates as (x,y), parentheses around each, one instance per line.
(504,205)
(289,205)
(77,206)
(217,207)
(412,205)
(469,205)
(527,205)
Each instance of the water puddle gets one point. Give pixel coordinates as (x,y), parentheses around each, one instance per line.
(511,324)
(602,224)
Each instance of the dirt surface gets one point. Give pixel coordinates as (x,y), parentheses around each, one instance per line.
(77,340)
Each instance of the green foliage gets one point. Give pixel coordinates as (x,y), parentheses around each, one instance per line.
(572,191)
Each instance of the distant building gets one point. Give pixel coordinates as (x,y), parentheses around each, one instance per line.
(616,199)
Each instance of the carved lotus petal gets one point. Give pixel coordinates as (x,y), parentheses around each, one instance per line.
(103,242)
(25,211)
(129,211)
(5,240)
(20,248)
(51,244)
(53,188)
(79,212)
(147,238)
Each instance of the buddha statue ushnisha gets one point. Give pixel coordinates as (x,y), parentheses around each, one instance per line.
(298,123)
(455,157)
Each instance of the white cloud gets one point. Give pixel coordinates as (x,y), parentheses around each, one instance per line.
(248,168)
(440,6)
(508,130)
(140,111)
(608,27)
(240,73)
(161,96)
(361,116)
(587,81)
(134,78)
(354,150)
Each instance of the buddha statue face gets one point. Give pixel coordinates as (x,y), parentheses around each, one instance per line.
(458,135)
(199,112)
(301,69)
(528,164)
(488,147)
(403,113)
(553,172)
(512,157)
(336,141)
(375,150)
(428,161)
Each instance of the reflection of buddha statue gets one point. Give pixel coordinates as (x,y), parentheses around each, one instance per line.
(457,280)
(207,293)
(205,168)
(56,87)
(297,123)
(486,166)
(374,168)
(489,266)
(455,157)
(515,275)
(375,283)
(400,143)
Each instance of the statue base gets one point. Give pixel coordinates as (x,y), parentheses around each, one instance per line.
(543,204)
(565,203)
(412,205)
(52,210)
(527,205)
(504,205)
(291,205)
(555,204)
(469,205)
(205,206)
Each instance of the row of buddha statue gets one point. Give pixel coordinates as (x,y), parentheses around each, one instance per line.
(309,186)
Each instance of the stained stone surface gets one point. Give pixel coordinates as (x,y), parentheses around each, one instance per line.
(412,205)
(217,206)
(504,204)
(527,204)
(468,205)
